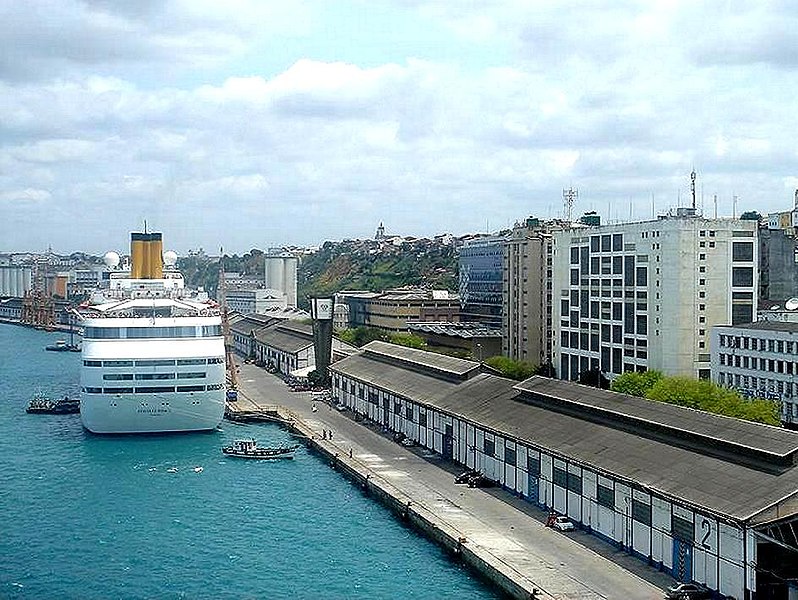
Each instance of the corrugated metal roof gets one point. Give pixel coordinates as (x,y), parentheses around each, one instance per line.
(710,427)
(284,338)
(412,358)
(718,485)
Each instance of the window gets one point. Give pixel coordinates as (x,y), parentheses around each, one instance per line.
(118,363)
(190,361)
(533,465)
(153,376)
(594,243)
(574,255)
(192,375)
(409,413)
(422,418)
(742,251)
(158,389)
(158,362)
(742,276)
(118,377)
(191,388)
(605,243)
(641,512)
(510,456)
(397,407)
(617,242)
(702,256)
(93,363)
(575,483)
(606,497)
(642,276)
(560,476)
(682,529)
(489,447)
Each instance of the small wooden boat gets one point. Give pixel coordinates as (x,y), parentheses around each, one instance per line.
(41,404)
(250,449)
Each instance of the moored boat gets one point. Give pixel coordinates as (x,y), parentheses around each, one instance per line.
(41,404)
(249,449)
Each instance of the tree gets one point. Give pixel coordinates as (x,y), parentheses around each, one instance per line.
(636,384)
(751,215)
(512,369)
(708,396)
(360,336)
(408,339)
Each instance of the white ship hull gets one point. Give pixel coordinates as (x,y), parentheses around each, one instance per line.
(166,413)
(152,385)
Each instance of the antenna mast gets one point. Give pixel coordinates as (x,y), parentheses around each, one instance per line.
(569,196)
(692,186)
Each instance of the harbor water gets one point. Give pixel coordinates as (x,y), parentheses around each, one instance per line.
(168,516)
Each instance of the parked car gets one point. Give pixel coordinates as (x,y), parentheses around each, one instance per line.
(464,476)
(340,406)
(563,524)
(479,480)
(687,591)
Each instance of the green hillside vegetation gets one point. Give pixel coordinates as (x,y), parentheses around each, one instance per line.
(339,266)
(350,266)
(699,394)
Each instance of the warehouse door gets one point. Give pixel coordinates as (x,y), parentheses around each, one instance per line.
(448,443)
(682,560)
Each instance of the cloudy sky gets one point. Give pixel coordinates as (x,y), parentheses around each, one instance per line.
(261,123)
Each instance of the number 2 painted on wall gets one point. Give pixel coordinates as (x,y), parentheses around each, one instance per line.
(705,525)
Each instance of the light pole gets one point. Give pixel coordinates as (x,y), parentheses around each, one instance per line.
(479,352)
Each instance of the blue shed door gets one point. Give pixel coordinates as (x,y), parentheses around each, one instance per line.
(534,492)
(682,560)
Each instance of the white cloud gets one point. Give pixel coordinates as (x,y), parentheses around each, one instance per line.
(114,113)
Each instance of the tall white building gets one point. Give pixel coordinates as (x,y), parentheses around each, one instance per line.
(640,296)
(281,273)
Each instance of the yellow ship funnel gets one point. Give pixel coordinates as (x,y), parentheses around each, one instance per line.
(156,256)
(146,256)
(139,255)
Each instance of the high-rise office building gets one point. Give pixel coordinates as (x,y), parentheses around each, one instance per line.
(640,296)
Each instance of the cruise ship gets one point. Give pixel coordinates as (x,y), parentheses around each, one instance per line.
(153,351)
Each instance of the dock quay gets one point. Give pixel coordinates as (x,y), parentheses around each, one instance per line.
(499,536)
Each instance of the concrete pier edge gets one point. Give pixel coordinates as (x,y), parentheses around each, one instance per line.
(483,563)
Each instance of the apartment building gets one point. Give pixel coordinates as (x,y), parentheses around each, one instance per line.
(645,295)
(526,293)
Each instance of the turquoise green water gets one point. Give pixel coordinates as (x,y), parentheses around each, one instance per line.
(87,516)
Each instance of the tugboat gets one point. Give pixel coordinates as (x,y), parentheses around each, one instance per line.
(249,449)
(41,404)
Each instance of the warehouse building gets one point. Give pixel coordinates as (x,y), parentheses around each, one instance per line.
(703,497)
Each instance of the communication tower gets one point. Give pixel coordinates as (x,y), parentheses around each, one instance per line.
(569,196)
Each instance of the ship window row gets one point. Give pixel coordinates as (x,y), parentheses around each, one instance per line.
(112,333)
(152,376)
(157,362)
(152,389)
